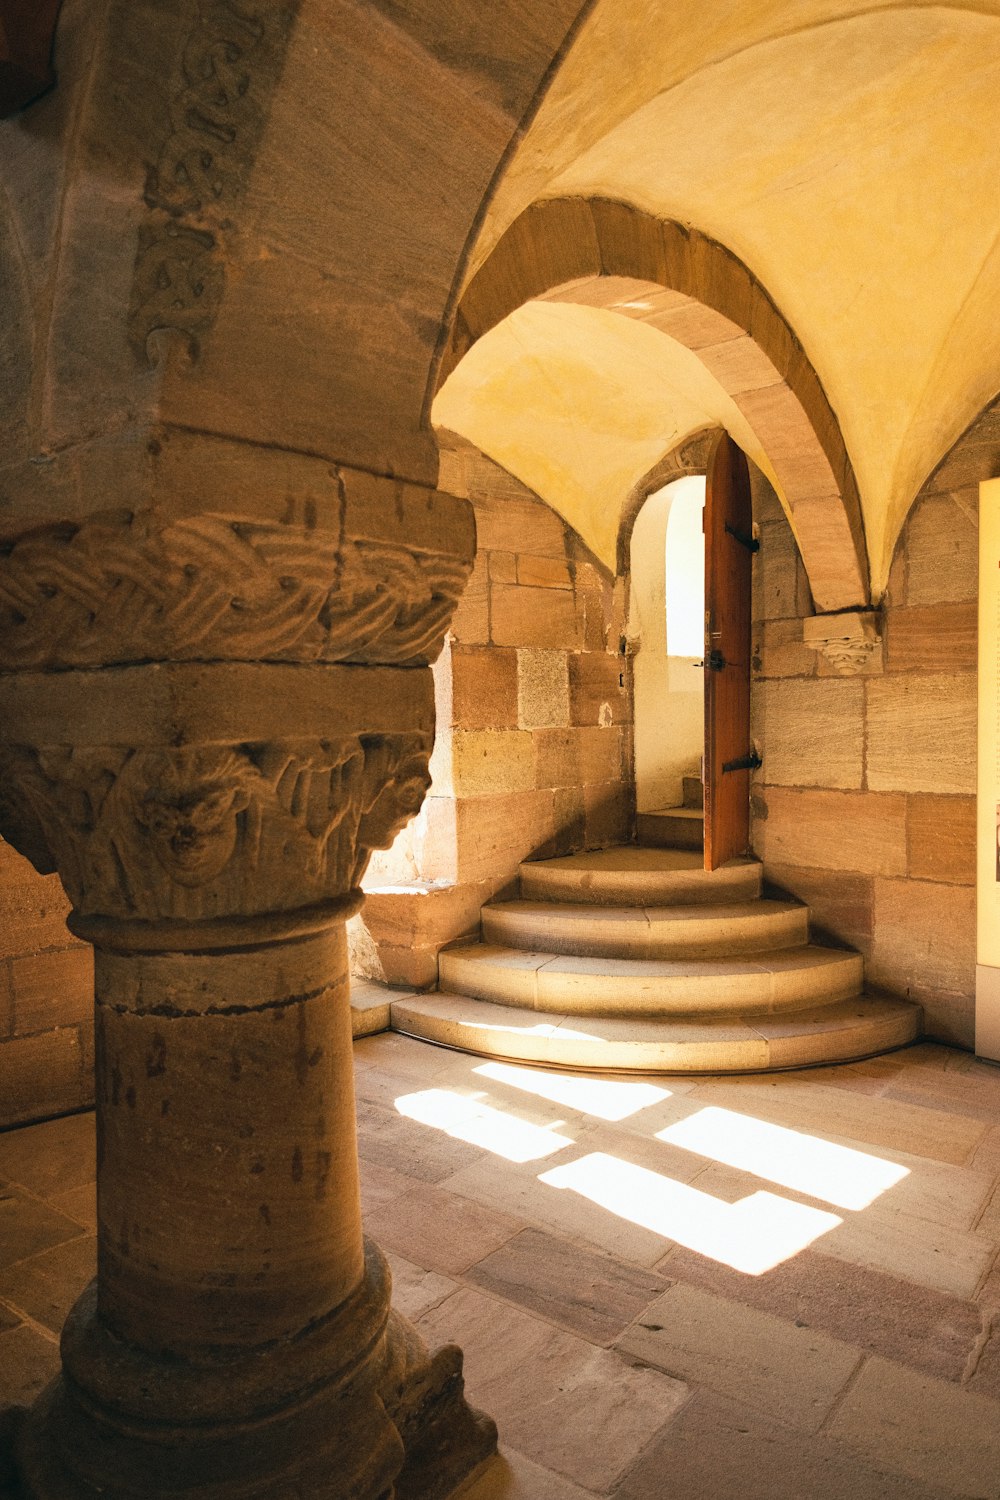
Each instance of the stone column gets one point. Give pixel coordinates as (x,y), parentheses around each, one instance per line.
(210,816)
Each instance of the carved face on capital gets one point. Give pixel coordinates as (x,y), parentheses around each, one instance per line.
(396,804)
(190,810)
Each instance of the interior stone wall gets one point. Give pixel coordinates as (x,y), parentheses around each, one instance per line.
(865,803)
(46,998)
(533,755)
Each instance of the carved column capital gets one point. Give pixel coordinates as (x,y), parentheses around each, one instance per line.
(210,830)
(370,572)
(211,712)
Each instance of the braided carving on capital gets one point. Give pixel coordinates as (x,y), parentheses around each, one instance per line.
(124,587)
(198,832)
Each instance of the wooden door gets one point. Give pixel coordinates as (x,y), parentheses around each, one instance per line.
(729,549)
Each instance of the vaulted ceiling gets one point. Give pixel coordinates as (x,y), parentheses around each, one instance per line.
(847,154)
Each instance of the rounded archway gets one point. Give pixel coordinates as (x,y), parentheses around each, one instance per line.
(670,280)
(666,632)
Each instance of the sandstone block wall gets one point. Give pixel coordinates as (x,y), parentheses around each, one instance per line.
(534,749)
(46,999)
(865,804)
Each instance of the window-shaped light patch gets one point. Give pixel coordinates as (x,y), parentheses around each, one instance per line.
(789,1158)
(471,1120)
(607,1099)
(754,1235)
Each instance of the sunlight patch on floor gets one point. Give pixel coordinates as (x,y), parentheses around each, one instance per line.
(481,1125)
(607,1099)
(754,1235)
(789,1158)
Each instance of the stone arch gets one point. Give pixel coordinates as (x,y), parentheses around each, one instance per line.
(608,254)
(685,458)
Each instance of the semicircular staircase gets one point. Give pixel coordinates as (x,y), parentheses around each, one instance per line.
(636,958)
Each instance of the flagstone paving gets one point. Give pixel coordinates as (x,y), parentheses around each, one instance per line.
(650,1317)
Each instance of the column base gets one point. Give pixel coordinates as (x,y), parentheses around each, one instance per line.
(354,1409)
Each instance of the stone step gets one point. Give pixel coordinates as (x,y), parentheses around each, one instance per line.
(672,828)
(648,932)
(631,875)
(841,1032)
(787,980)
(693,791)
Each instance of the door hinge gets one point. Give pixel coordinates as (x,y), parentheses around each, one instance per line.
(751,543)
(751,762)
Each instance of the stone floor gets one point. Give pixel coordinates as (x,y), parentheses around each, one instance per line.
(771,1288)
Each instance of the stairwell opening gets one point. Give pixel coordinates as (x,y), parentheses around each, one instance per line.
(665,632)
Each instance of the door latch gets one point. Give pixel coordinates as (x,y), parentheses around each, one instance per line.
(716,661)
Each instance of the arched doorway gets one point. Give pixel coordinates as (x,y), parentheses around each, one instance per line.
(690,554)
(666,609)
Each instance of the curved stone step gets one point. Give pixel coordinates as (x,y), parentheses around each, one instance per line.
(647,932)
(841,1032)
(632,875)
(672,828)
(786,980)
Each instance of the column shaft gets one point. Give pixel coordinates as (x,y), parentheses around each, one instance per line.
(228,1207)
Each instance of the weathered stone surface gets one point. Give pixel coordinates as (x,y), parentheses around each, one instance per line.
(47,1285)
(976,456)
(810,733)
(929,1429)
(923,946)
(53,989)
(33,907)
(522,525)
(779,650)
(484,684)
(502,566)
(883,1314)
(794,1372)
(590,1294)
(6,1003)
(609,813)
(942,550)
(840,904)
(44,1074)
(28,1361)
(932,638)
(470,624)
(494,833)
(777,587)
(942,838)
(442,1230)
(542,689)
(577,1393)
(540,617)
(858,831)
(558,757)
(597,689)
(570,819)
(922,733)
(727,1446)
(404,928)
(351,568)
(488,761)
(543,572)
(603,754)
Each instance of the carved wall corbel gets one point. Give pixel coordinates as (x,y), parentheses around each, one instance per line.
(850,641)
